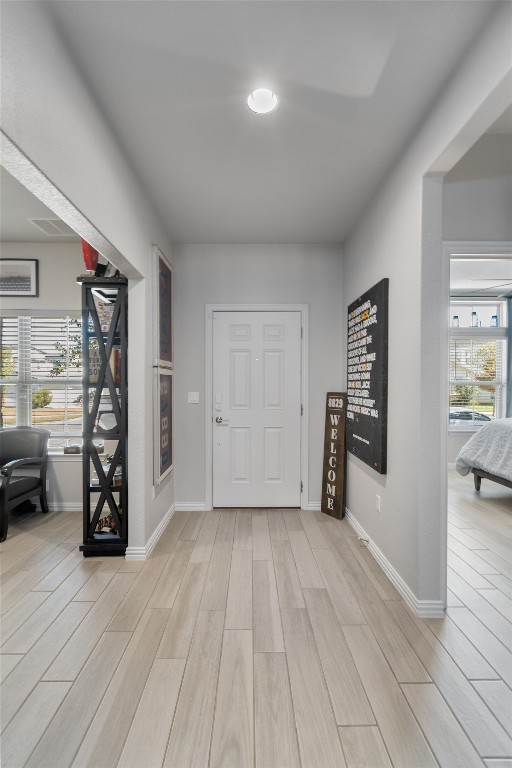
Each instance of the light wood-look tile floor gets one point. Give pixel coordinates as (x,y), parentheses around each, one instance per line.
(255,638)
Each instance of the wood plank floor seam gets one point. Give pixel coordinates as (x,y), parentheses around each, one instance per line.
(265,628)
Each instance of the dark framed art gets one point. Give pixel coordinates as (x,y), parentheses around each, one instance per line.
(163,423)
(19,277)
(367,377)
(163,310)
(162,366)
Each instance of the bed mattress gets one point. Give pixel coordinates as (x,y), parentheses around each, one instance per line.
(489,449)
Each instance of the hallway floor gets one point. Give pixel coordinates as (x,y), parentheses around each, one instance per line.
(255,638)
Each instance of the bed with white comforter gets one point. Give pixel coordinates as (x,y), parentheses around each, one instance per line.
(488,453)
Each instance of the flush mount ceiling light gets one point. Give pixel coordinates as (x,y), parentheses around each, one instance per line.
(262,101)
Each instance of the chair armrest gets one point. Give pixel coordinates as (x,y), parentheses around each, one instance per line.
(8,469)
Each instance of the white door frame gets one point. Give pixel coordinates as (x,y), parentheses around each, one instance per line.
(304,442)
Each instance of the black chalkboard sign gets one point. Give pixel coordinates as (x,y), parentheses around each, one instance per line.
(367,377)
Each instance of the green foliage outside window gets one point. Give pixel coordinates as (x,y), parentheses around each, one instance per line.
(41,398)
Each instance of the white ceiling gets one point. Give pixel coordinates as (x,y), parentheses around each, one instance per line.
(354,77)
(18,207)
(481,276)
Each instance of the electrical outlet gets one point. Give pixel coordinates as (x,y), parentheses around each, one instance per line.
(377,503)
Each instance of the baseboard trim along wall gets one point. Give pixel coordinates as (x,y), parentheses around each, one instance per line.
(65,506)
(192,506)
(199,506)
(425,609)
(142,553)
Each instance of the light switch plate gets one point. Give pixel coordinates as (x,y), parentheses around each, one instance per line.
(193,397)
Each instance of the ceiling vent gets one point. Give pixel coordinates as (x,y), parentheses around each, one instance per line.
(53,227)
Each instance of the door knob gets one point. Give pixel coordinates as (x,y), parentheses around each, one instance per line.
(219,419)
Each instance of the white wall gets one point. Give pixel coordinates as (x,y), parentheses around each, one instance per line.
(49,113)
(252,274)
(456,440)
(477,199)
(64,481)
(400,237)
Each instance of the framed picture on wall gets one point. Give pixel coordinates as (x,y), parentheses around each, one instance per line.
(163,423)
(162,366)
(163,310)
(19,277)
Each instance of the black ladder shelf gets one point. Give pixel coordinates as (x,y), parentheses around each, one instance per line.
(105,415)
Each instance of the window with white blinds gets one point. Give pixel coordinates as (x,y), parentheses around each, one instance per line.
(477,369)
(41,381)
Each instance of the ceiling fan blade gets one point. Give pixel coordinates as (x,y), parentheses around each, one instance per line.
(487,288)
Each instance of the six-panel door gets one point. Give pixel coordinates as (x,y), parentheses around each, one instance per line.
(256,409)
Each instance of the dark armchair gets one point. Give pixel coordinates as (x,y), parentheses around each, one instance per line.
(20,448)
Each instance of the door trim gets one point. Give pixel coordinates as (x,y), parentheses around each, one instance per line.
(304,442)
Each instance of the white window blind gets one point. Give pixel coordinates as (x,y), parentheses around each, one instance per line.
(42,357)
(477,364)
(477,384)
(9,370)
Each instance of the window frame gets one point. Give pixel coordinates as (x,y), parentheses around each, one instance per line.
(478,334)
(25,383)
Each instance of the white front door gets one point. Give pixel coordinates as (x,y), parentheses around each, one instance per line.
(256,409)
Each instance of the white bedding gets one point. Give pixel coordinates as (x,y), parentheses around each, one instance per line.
(489,449)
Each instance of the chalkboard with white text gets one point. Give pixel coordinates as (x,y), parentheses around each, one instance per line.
(367,377)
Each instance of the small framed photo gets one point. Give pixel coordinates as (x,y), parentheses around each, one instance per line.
(19,277)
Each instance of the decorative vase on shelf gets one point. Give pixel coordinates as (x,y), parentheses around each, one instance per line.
(90,257)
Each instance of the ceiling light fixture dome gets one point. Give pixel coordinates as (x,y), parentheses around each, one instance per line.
(262,101)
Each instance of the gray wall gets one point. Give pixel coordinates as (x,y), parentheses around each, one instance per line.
(59,265)
(51,116)
(477,196)
(400,237)
(252,274)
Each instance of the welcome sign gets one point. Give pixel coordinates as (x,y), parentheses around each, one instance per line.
(333,480)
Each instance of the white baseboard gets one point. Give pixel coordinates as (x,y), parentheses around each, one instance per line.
(142,553)
(312,506)
(198,506)
(425,609)
(191,506)
(65,506)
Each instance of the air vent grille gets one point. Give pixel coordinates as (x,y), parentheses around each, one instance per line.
(53,227)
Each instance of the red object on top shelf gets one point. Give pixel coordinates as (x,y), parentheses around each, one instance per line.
(90,255)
